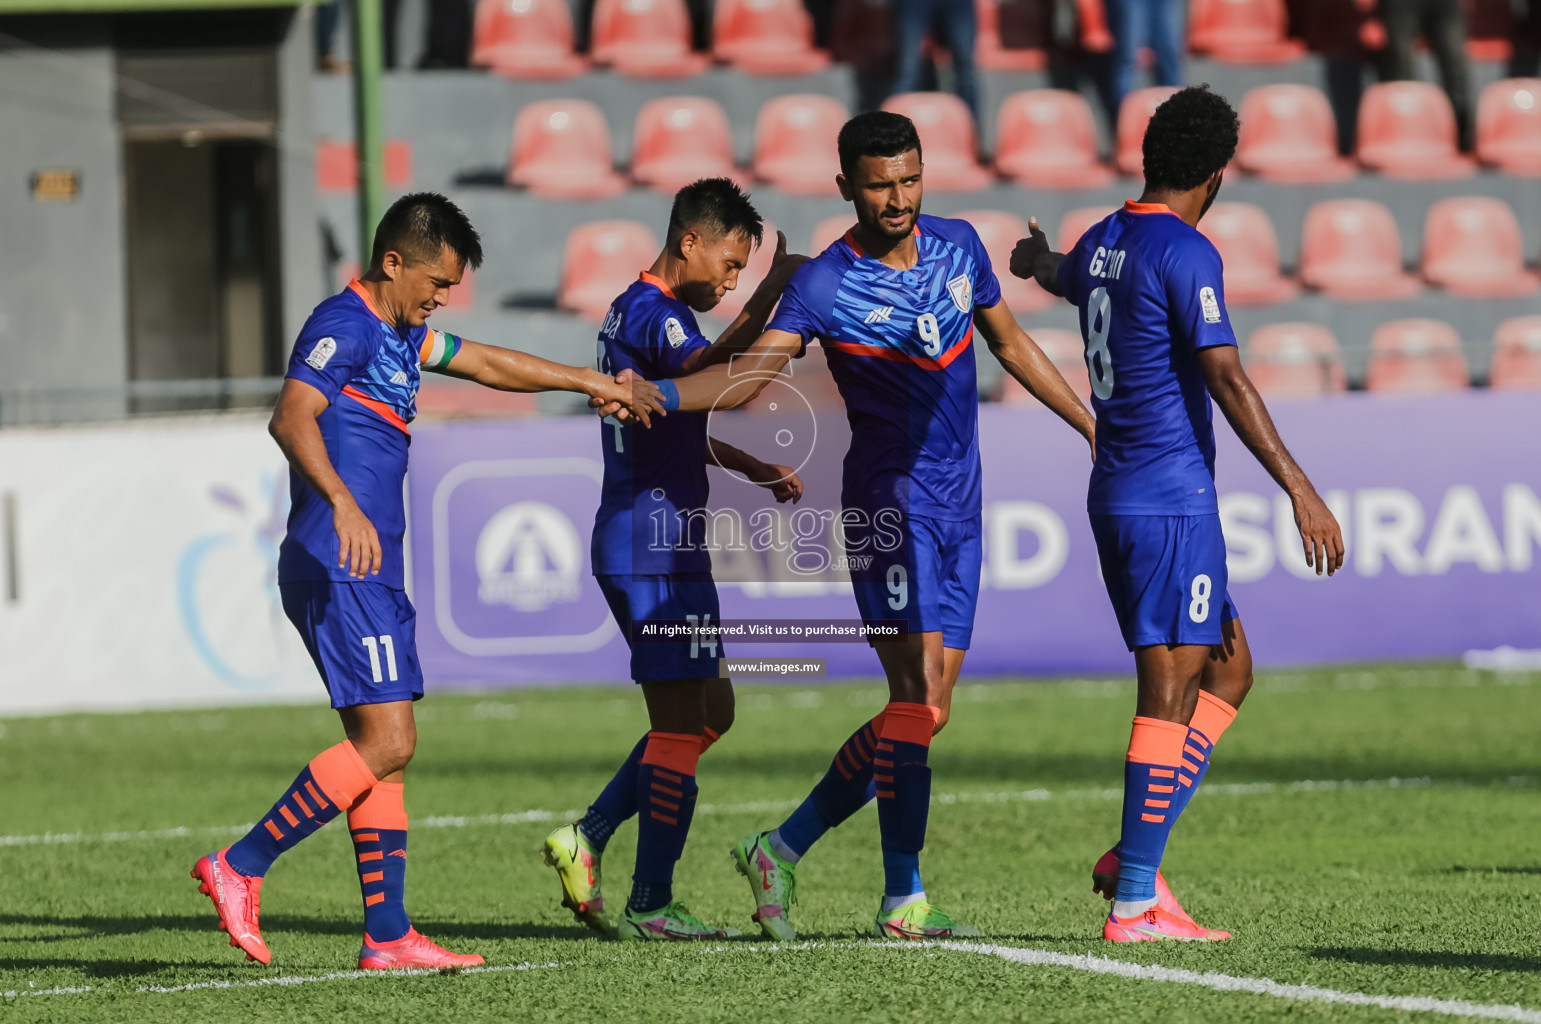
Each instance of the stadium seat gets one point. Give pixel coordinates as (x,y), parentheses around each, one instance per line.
(829,231)
(1509,126)
(1066,351)
(645,38)
(1517,354)
(1294,360)
(1133,115)
(862,34)
(442,397)
(1074,224)
(1416,355)
(1472,247)
(948,144)
(679,139)
(337,165)
(1490,30)
(1288,134)
(794,143)
(766,37)
(601,260)
(1242,31)
(1010,35)
(1250,249)
(999,232)
(1407,130)
(749,278)
(1092,26)
(561,150)
(1352,250)
(1046,138)
(525,39)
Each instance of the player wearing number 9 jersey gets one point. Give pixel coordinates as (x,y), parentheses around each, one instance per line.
(1158,345)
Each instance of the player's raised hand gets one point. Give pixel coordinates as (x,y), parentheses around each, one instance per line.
(358,545)
(1024,258)
(783,265)
(1319,533)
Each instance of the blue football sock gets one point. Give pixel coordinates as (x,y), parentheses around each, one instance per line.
(617,802)
(326,787)
(845,789)
(903,781)
(378,825)
(1150,810)
(666,787)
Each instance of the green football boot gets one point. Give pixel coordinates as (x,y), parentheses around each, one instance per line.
(674,923)
(577,865)
(921,921)
(773,881)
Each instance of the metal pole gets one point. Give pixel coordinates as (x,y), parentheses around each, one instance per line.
(368,132)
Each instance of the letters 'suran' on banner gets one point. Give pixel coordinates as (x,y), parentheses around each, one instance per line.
(1439,497)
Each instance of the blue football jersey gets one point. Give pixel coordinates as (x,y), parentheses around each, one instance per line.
(651,519)
(1150,292)
(900,347)
(369,370)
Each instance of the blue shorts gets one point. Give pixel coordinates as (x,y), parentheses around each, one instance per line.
(929,579)
(635,600)
(362,637)
(1166,577)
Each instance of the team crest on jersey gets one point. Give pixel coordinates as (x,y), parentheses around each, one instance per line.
(322,354)
(1211,305)
(674,331)
(962,293)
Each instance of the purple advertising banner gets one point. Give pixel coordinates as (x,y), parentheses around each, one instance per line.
(1439,497)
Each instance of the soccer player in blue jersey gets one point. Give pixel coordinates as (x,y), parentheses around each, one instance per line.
(1159,345)
(895,304)
(650,553)
(341,421)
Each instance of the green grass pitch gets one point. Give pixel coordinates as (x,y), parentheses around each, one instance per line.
(1330,874)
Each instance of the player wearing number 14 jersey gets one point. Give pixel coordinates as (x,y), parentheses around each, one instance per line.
(1158,346)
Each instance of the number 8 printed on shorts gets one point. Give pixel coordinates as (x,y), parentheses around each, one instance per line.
(1099,361)
(1198,609)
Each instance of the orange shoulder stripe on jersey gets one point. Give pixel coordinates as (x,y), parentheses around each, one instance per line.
(377,407)
(893,356)
(657,282)
(358,289)
(1136,207)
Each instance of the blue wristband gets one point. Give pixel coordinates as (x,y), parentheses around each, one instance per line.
(670,395)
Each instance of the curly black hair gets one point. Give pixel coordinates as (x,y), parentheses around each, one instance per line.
(1190,137)
(876,133)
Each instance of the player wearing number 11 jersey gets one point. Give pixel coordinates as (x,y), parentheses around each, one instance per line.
(1158,346)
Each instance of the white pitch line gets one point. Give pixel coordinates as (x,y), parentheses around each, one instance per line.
(17,992)
(308,979)
(772,806)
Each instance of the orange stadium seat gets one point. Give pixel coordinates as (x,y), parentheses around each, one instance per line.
(1416,355)
(1250,250)
(862,34)
(948,144)
(600,260)
(645,38)
(1352,250)
(1092,24)
(999,232)
(1295,360)
(1010,35)
(1407,130)
(766,37)
(1517,354)
(337,165)
(1509,126)
(1074,224)
(1046,138)
(1242,31)
(732,303)
(794,143)
(829,231)
(1066,351)
(525,39)
(1133,115)
(679,139)
(1288,134)
(561,150)
(1472,247)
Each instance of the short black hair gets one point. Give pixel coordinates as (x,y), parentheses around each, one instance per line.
(876,133)
(420,225)
(1190,137)
(717,207)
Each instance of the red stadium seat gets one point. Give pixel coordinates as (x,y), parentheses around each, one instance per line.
(749,278)
(1250,250)
(1133,115)
(1066,351)
(948,144)
(337,165)
(1472,247)
(601,260)
(1352,250)
(1242,31)
(1416,355)
(862,34)
(1517,354)
(794,143)
(829,231)
(1046,138)
(1010,35)
(1407,130)
(1509,126)
(999,232)
(525,39)
(1092,23)
(1288,134)
(645,38)
(441,397)
(766,37)
(679,139)
(1490,30)
(561,150)
(1074,224)
(1294,360)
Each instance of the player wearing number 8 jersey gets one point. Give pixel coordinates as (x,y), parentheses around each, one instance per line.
(1158,345)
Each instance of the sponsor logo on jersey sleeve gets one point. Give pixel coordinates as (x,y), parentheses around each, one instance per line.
(962,293)
(1211,305)
(322,354)
(612,325)
(675,332)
